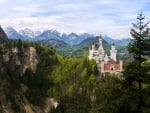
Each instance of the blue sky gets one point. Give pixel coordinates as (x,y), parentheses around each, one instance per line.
(110,17)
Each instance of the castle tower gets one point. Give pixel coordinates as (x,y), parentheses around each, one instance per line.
(100,44)
(113,52)
(93,46)
(91,51)
(105,64)
(100,40)
(101,50)
(106,59)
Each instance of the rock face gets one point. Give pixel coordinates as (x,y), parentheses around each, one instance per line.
(23,77)
(14,64)
(17,61)
(3,37)
(24,80)
(25,58)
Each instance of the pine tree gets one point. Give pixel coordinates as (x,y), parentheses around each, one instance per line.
(140,44)
(138,47)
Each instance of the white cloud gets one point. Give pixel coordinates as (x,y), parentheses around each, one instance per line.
(112,17)
(28,9)
(1,1)
(105,2)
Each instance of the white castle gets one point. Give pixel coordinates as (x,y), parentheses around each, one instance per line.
(105,63)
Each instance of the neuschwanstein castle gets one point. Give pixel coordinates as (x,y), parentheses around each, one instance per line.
(105,63)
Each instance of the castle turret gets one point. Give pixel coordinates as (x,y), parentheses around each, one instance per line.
(91,51)
(113,52)
(93,46)
(100,44)
(106,59)
(100,40)
(101,50)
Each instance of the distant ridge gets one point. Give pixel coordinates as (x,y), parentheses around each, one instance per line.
(89,41)
(54,43)
(30,35)
(118,42)
(65,43)
(3,36)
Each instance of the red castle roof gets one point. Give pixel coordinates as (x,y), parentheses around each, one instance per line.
(112,66)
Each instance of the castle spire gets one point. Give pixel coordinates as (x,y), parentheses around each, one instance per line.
(100,39)
(100,43)
(113,52)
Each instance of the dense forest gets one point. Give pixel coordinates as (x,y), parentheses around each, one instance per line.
(128,93)
(30,74)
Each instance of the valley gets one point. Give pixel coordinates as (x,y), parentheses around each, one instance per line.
(74,56)
(52,72)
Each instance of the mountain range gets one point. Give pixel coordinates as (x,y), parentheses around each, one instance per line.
(27,34)
(68,44)
(51,35)
(118,42)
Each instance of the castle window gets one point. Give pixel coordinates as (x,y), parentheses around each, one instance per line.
(112,69)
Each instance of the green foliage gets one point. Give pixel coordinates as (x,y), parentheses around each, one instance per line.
(136,73)
(37,81)
(75,103)
(74,82)
(40,81)
(70,90)
(129,94)
(71,74)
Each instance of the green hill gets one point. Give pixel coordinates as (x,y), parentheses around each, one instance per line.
(32,75)
(81,50)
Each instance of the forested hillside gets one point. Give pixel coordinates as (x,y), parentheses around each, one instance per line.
(24,75)
(128,93)
(33,79)
(31,75)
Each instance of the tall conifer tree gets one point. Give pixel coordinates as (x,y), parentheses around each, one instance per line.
(138,47)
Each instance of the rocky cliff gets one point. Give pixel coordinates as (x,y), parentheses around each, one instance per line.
(25,70)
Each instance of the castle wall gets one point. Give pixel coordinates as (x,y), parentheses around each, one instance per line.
(104,62)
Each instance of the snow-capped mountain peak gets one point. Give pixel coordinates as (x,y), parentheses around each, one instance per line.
(10,30)
(72,36)
(27,32)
